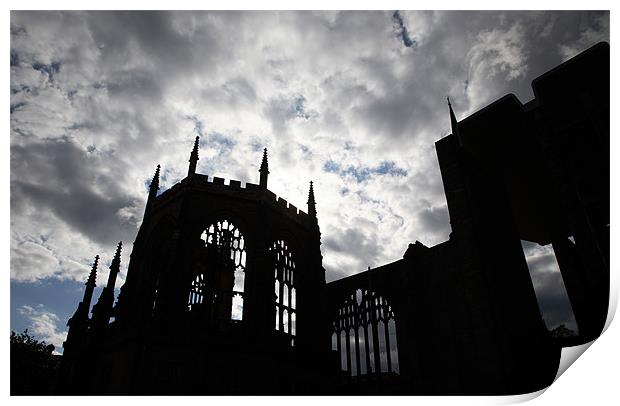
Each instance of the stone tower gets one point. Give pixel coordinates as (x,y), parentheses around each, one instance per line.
(222,295)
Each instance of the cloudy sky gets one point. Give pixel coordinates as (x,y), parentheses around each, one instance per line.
(351,100)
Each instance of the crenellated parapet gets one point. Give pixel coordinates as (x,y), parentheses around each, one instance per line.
(220,187)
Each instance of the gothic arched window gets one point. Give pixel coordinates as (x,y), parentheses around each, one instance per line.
(219,273)
(285,294)
(364,334)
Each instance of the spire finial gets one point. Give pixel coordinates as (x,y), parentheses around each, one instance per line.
(193,157)
(117,255)
(454,123)
(102,311)
(92,278)
(153,188)
(311,202)
(90,286)
(80,318)
(264,169)
(155,181)
(115,266)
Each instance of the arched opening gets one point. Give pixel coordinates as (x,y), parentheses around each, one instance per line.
(219,273)
(364,335)
(285,292)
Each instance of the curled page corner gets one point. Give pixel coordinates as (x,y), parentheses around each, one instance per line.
(569,356)
(514,399)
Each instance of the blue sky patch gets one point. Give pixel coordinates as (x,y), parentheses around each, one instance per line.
(49,69)
(401,30)
(256,146)
(14,58)
(363,173)
(220,140)
(197,124)
(331,166)
(298,108)
(16,106)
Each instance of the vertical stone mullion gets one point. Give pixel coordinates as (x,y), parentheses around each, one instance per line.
(375,336)
(367,347)
(339,345)
(356,325)
(348,348)
(280,294)
(387,338)
(290,311)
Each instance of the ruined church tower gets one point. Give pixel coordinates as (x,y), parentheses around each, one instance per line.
(227,275)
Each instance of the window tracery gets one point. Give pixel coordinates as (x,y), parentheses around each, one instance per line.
(219,273)
(285,292)
(364,335)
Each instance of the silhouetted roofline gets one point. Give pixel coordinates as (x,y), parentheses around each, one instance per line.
(509,98)
(512,98)
(248,191)
(367,273)
(568,63)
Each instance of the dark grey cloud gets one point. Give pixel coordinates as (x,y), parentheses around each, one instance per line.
(360,248)
(63,179)
(549,286)
(553,300)
(502,55)
(240,89)
(435,218)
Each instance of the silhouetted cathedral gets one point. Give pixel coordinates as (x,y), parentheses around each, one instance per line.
(225,290)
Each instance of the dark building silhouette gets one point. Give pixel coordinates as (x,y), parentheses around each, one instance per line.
(225,290)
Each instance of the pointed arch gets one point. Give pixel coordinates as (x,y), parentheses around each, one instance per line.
(284,268)
(364,334)
(218,273)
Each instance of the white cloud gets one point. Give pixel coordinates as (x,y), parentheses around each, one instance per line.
(31,261)
(44,325)
(497,54)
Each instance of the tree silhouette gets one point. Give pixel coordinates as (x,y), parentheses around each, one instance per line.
(33,365)
(562,331)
